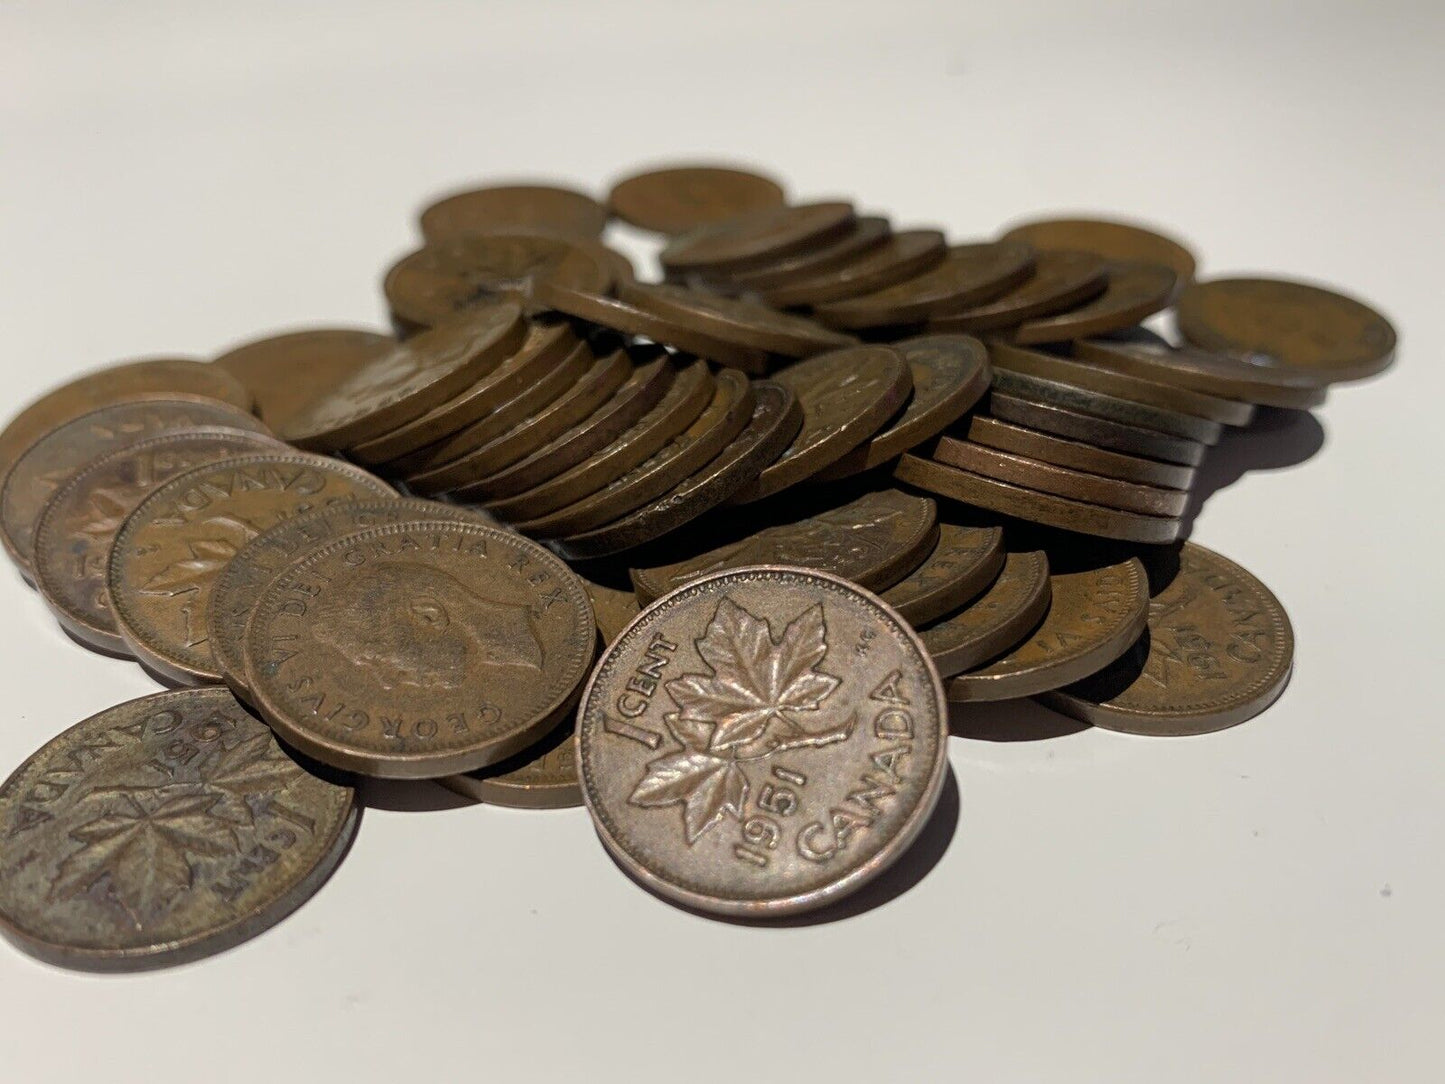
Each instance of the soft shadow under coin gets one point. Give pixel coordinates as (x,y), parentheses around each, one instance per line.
(1010,720)
(1277,439)
(408,795)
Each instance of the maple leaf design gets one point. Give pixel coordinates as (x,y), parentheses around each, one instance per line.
(708,786)
(254,766)
(207,556)
(105,512)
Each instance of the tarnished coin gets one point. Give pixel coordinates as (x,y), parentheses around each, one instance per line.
(60,454)
(1107,239)
(171,548)
(997,621)
(1060,281)
(873,541)
(1095,614)
(950,375)
(75,531)
(965,561)
(746,323)
(1293,327)
(755,239)
(1092,429)
(902,256)
(846,397)
(1134,291)
(500,207)
(1083,400)
(762,742)
(1073,454)
(862,236)
(968,275)
(417,650)
(162,830)
(614,607)
(1218,652)
(680,198)
(542,776)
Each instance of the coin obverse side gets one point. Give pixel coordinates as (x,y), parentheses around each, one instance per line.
(162,830)
(762,742)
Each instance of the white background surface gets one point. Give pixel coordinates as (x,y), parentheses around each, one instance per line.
(1261,904)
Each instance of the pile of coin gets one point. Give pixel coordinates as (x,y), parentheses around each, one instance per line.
(816,483)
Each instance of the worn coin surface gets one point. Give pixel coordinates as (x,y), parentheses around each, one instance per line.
(903,255)
(998,620)
(762,237)
(762,742)
(1073,454)
(535,206)
(1218,652)
(1134,291)
(680,198)
(864,234)
(747,323)
(1107,239)
(1091,429)
(417,650)
(965,561)
(171,548)
(1085,400)
(1060,281)
(162,830)
(614,603)
(541,776)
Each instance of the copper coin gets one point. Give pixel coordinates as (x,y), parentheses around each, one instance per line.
(997,621)
(746,323)
(417,375)
(57,456)
(873,541)
(1184,427)
(1033,505)
(950,375)
(864,235)
(963,564)
(1218,652)
(171,548)
(417,650)
(680,198)
(846,397)
(1092,429)
(752,240)
(533,206)
(615,607)
(1295,328)
(1108,240)
(775,420)
(162,830)
(1074,454)
(1134,291)
(1060,281)
(79,523)
(762,742)
(968,275)
(902,256)
(541,776)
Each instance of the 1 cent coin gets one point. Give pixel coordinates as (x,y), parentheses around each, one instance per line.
(1085,400)
(998,620)
(866,234)
(1073,454)
(746,323)
(1107,239)
(1091,429)
(753,240)
(542,776)
(1060,281)
(680,198)
(965,561)
(902,256)
(533,206)
(1134,291)
(615,607)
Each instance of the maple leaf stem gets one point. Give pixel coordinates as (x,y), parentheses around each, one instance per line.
(807,739)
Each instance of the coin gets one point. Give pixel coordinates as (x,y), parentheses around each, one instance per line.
(762,742)
(1218,652)
(1033,505)
(1092,429)
(1005,613)
(902,256)
(162,830)
(55,458)
(1292,327)
(1083,400)
(1107,239)
(873,541)
(846,397)
(680,198)
(950,375)
(417,650)
(751,240)
(968,275)
(614,606)
(1074,454)
(1134,291)
(865,234)
(542,776)
(76,528)
(1094,615)
(171,548)
(965,561)
(746,323)
(534,206)
(1060,281)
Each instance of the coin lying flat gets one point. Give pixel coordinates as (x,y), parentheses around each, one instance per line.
(751,240)
(417,650)
(171,548)
(535,206)
(864,235)
(681,198)
(964,562)
(1107,239)
(1060,281)
(1085,400)
(902,256)
(968,275)
(1219,651)
(747,323)
(995,622)
(162,830)
(762,742)
(1073,454)
(542,776)
(1134,291)
(1091,429)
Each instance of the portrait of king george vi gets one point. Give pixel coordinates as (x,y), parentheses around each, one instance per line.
(410,624)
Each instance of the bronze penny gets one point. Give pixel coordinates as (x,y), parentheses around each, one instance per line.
(286,373)
(685,453)
(1060,281)
(1108,240)
(950,375)
(680,198)
(64,451)
(968,275)
(997,621)
(162,830)
(746,323)
(542,776)
(864,235)
(74,535)
(418,650)
(1033,505)
(171,548)
(1218,652)
(615,607)
(1074,454)
(1092,429)
(415,376)
(531,206)
(873,541)
(726,737)
(1294,328)
(963,564)
(1184,427)
(751,240)
(846,397)
(1134,291)
(900,257)
(775,420)
(1095,615)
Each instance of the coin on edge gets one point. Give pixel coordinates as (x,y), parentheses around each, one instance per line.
(676,199)
(747,323)
(541,776)
(1073,454)
(963,564)
(1060,281)
(1134,291)
(1092,429)
(902,256)
(1107,239)
(996,621)
(752,240)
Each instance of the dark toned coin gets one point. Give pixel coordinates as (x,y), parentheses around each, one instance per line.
(1084,400)
(746,323)
(950,375)
(418,650)
(963,564)
(536,206)
(1094,615)
(1134,291)
(1107,239)
(615,607)
(864,235)
(902,256)
(873,541)
(160,831)
(1060,281)
(675,199)
(995,622)
(1073,454)
(846,397)
(1218,652)
(1295,328)
(968,275)
(726,736)
(1092,429)
(763,237)
(171,548)
(542,776)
